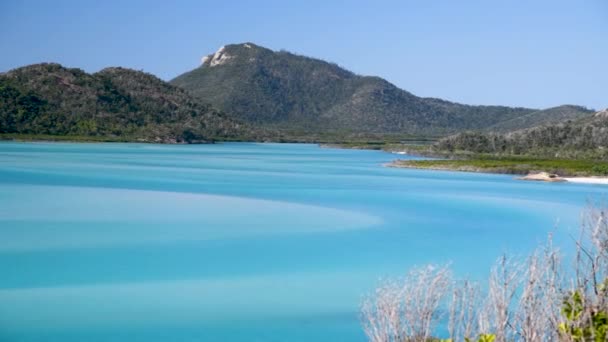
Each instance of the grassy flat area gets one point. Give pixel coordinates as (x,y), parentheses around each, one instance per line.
(411,146)
(512,165)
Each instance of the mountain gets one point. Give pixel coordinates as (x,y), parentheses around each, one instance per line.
(543,117)
(293,92)
(256,91)
(115,103)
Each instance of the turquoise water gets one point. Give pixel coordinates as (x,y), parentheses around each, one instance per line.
(239,242)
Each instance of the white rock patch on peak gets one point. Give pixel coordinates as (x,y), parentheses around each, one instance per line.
(219,51)
(218,58)
(602,114)
(247,46)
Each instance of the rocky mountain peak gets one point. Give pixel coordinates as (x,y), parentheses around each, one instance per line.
(229,52)
(220,57)
(602,114)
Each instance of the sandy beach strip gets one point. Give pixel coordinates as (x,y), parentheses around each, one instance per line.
(588,180)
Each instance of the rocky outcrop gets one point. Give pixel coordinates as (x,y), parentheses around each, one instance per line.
(218,58)
(602,114)
(543,177)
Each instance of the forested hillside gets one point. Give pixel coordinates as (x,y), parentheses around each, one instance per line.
(583,138)
(293,92)
(115,103)
(543,117)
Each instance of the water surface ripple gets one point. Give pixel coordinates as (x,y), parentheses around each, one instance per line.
(239,242)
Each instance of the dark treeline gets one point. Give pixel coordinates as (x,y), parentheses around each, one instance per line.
(586,138)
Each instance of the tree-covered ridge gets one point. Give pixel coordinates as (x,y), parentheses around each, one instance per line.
(294,92)
(543,117)
(118,103)
(583,138)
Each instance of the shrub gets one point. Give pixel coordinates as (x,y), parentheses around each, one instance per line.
(601,169)
(537,299)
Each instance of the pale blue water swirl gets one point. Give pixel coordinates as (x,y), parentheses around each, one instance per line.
(240,242)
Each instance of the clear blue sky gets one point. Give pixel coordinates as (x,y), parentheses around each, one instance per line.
(535,53)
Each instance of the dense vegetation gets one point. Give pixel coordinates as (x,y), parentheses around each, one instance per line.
(543,117)
(582,139)
(571,148)
(292,92)
(264,95)
(114,104)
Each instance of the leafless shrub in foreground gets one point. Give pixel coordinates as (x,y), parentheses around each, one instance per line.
(591,262)
(525,300)
(505,278)
(537,315)
(586,299)
(407,310)
(464,311)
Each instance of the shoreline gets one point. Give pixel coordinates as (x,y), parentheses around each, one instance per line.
(587,180)
(529,176)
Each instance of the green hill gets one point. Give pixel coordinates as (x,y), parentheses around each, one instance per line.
(542,117)
(293,92)
(241,92)
(113,104)
(584,138)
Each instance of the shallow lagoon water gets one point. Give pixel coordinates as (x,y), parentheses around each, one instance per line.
(240,242)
